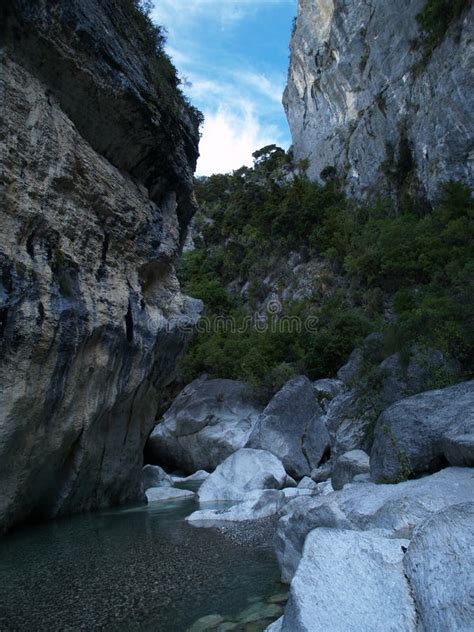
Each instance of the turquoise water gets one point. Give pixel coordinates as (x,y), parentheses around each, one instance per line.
(140,568)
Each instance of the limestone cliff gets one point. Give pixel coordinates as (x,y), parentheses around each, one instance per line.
(365,98)
(98,150)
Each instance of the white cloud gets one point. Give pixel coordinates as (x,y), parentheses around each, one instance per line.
(179,13)
(229,137)
(240,101)
(271,88)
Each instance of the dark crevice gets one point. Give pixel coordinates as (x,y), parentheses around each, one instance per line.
(30,248)
(3,320)
(105,247)
(40,316)
(326,455)
(440,462)
(129,323)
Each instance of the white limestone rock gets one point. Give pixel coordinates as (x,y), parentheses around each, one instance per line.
(244,471)
(158,494)
(349,581)
(208,421)
(439,564)
(257,505)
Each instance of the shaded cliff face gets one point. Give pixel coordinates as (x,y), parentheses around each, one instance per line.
(361,99)
(98,151)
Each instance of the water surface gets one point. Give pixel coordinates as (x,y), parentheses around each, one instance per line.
(140,568)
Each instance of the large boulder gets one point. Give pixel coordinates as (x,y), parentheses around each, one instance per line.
(351,415)
(348,466)
(244,471)
(348,421)
(439,563)
(349,581)
(155,476)
(207,422)
(292,429)
(425,432)
(401,378)
(397,509)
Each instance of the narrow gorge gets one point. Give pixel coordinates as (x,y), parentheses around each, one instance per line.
(238,401)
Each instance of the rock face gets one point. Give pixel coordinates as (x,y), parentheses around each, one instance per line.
(243,472)
(98,151)
(341,585)
(361,100)
(291,427)
(207,422)
(422,433)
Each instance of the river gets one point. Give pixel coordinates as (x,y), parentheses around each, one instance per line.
(138,568)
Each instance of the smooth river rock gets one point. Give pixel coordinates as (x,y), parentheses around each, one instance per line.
(244,471)
(348,466)
(256,505)
(157,494)
(424,432)
(207,422)
(292,429)
(440,563)
(349,581)
(155,476)
(397,509)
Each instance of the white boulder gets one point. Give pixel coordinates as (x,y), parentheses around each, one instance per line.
(440,566)
(244,471)
(208,421)
(157,494)
(258,504)
(349,581)
(395,508)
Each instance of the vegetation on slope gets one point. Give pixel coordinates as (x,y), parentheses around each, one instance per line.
(436,18)
(409,274)
(162,70)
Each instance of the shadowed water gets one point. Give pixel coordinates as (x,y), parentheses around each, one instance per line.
(140,568)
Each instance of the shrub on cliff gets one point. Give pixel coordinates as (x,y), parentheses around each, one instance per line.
(417,265)
(163,73)
(436,17)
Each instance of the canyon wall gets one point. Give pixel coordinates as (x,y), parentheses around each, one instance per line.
(368,102)
(98,150)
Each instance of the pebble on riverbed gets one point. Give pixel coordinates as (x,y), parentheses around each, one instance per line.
(255,618)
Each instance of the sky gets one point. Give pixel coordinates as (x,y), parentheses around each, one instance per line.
(233,57)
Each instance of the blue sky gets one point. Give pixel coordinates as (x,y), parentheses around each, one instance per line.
(234,54)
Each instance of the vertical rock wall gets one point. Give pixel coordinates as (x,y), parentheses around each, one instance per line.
(361,99)
(98,150)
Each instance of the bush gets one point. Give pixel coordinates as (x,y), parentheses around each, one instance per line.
(436,17)
(418,262)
